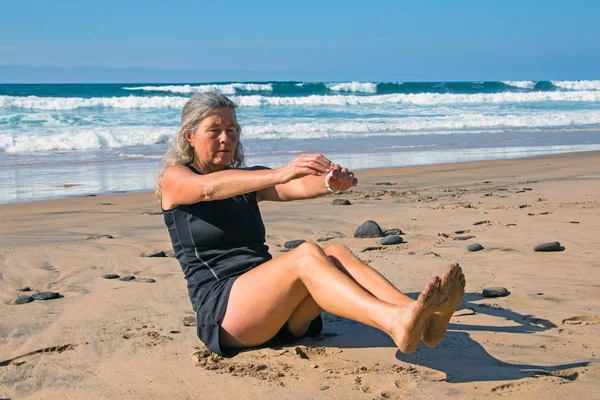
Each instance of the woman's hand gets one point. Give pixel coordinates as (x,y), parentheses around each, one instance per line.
(306,164)
(341,179)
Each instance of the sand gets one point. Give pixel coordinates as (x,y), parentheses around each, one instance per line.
(127,340)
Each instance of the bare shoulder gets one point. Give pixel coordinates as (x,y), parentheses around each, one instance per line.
(175,172)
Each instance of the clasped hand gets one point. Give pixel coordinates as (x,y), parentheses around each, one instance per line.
(338,178)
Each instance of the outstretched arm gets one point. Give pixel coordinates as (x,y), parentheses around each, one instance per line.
(309,187)
(181,186)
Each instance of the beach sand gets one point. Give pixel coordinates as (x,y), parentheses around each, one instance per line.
(114,339)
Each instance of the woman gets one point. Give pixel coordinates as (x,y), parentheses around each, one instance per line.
(243,298)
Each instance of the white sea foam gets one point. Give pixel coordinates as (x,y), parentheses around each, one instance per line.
(93,138)
(365,87)
(520,84)
(231,88)
(432,99)
(577,85)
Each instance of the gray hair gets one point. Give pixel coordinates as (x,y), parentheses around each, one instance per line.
(200,106)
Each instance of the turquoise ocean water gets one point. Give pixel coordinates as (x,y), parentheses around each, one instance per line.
(106,138)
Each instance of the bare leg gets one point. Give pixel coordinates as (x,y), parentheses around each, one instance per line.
(365,276)
(283,283)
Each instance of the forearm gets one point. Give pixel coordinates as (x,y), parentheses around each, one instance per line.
(308,187)
(233,182)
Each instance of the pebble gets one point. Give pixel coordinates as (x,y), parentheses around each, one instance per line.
(369,229)
(145,280)
(463,237)
(127,278)
(495,292)
(45,295)
(391,239)
(341,202)
(324,387)
(547,246)
(110,276)
(510,225)
(23,300)
(520,191)
(393,231)
(411,253)
(475,247)
(384,183)
(189,321)
(292,244)
(24,289)
(376,198)
(574,222)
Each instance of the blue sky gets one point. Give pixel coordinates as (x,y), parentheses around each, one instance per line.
(156,41)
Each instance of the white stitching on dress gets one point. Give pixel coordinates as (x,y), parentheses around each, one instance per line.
(195,249)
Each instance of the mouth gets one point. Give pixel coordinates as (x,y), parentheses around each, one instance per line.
(224,151)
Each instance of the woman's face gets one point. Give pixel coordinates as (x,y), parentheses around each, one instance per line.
(215,139)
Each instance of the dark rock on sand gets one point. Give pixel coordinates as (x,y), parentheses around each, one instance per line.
(127,278)
(145,280)
(24,289)
(23,300)
(393,231)
(495,292)
(110,276)
(574,222)
(292,244)
(475,247)
(384,183)
(369,229)
(510,225)
(46,295)
(391,239)
(520,191)
(463,237)
(341,202)
(376,198)
(548,246)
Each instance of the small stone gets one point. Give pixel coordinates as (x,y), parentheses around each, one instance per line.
(527,189)
(24,289)
(292,244)
(127,278)
(145,280)
(548,246)
(520,191)
(393,231)
(384,183)
(463,237)
(574,222)
(23,300)
(189,321)
(369,229)
(495,292)
(510,225)
(324,387)
(411,253)
(376,198)
(45,295)
(475,247)
(540,294)
(341,202)
(391,239)
(110,276)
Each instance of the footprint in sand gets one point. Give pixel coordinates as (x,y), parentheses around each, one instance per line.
(582,320)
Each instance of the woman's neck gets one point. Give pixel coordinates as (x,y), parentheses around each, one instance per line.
(206,168)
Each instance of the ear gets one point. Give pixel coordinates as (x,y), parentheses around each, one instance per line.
(187,134)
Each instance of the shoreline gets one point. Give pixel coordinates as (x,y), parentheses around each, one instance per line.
(114,173)
(108,334)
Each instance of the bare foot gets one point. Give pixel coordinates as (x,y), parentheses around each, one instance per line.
(406,326)
(451,291)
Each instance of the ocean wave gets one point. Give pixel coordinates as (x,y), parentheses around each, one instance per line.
(230,88)
(175,102)
(365,87)
(520,84)
(76,138)
(577,85)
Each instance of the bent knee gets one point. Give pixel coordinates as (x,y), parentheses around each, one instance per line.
(310,249)
(335,249)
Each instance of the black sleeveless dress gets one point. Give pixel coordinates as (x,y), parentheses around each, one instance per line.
(216,242)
